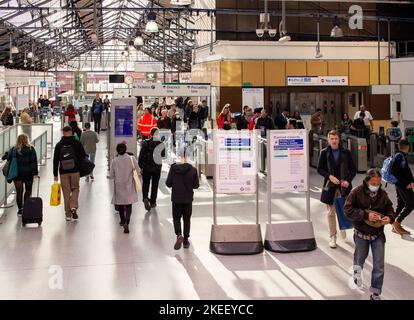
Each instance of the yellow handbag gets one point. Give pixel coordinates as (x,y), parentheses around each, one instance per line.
(55,195)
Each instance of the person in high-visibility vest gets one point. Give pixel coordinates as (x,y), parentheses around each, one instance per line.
(146,123)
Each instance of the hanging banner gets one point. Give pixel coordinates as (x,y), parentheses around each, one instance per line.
(318,81)
(253,97)
(288,151)
(170,90)
(236,167)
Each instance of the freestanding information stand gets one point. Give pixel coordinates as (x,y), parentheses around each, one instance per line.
(288,171)
(123,125)
(235,173)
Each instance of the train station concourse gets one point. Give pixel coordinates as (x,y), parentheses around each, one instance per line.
(223,151)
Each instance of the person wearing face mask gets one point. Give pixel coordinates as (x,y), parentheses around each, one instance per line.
(151,164)
(370,209)
(404,186)
(338,169)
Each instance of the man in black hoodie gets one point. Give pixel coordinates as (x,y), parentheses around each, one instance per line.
(150,162)
(404,187)
(67,157)
(183,179)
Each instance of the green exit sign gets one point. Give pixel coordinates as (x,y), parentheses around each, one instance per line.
(247,84)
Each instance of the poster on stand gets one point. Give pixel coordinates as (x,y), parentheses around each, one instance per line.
(236,167)
(253,97)
(289,160)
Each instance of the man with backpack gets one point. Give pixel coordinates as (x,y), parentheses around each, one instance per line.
(97,109)
(67,157)
(150,162)
(404,186)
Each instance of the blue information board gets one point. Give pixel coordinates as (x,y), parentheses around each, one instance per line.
(124,123)
(42,84)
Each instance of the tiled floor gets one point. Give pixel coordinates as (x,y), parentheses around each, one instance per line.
(98,261)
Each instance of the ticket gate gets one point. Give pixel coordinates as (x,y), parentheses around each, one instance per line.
(262,142)
(378,150)
(319,142)
(359,151)
(393,137)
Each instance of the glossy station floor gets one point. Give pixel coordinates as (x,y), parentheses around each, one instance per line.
(96,260)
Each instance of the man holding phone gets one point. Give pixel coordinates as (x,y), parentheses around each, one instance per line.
(370,209)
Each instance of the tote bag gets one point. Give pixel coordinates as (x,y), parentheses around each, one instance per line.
(137,181)
(343,221)
(13,170)
(55,195)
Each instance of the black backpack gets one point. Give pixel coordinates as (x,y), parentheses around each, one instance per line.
(68,158)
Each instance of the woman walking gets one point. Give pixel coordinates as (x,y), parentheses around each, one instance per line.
(27,169)
(125,193)
(7,117)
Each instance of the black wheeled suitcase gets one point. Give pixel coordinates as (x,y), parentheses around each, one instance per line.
(33,209)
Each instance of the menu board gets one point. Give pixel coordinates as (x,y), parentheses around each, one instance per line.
(124,121)
(289,160)
(236,167)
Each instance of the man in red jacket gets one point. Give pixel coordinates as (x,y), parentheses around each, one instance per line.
(146,123)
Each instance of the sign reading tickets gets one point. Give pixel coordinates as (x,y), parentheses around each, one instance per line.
(235,162)
(170,90)
(289,160)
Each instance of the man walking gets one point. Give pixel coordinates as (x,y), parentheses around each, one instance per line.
(338,169)
(68,154)
(151,164)
(183,179)
(404,186)
(97,108)
(89,139)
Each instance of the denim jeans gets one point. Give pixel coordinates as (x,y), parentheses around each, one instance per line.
(378,252)
(92,157)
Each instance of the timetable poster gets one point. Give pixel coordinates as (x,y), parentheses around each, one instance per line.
(289,160)
(236,169)
(124,123)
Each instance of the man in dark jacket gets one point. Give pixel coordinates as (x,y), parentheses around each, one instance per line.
(97,109)
(164,122)
(203,113)
(404,187)
(183,179)
(338,170)
(281,121)
(264,123)
(150,162)
(67,157)
(369,208)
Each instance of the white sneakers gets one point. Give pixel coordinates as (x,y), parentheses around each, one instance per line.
(332,242)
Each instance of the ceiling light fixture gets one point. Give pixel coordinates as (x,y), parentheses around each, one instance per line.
(139,41)
(152,26)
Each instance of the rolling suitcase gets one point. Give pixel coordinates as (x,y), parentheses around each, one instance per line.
(33,209)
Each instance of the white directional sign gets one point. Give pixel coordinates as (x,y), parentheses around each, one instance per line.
(170,90)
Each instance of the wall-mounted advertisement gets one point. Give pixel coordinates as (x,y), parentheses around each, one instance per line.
(124,125)
(288,151)
(236,168)
(253,97)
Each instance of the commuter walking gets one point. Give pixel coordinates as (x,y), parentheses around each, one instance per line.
(405,184)
(124,186)
(224,119)
(182,179)
(146,123)
(360,130)
(257,113)
(89,139)
(298,120)
(194,121)
(281,121)
(77,132)
(70,113)
(188,110)
(151,164)
(264,123)
(27,169)
(347,125)
(7,117)
(369,208)
(164,122)
(97,109)
(106,103)
(368,119)
(244,119)
(203,113)
(25,117)
(317,122)
(338,170)
(68,154)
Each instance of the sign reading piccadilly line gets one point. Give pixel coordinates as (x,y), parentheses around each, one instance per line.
(318,81)
(167,90)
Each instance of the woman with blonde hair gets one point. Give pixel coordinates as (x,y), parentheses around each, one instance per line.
(25,117)
(7,117)
(27,169)
(224,119)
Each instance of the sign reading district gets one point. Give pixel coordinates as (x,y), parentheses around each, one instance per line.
(289,160)
(124,125)
(236,170)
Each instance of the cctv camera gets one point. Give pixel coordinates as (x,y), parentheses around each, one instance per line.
(272,32)
(260,32)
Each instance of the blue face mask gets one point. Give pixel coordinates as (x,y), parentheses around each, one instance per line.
(373,189)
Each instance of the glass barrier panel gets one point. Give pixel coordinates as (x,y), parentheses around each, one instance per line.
(2,150)
(2,186)
(44,144)
(7,140)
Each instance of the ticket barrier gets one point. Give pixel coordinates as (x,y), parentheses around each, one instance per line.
(319,142)
(262,154)
(378,150)
(393,137)
(359,151)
